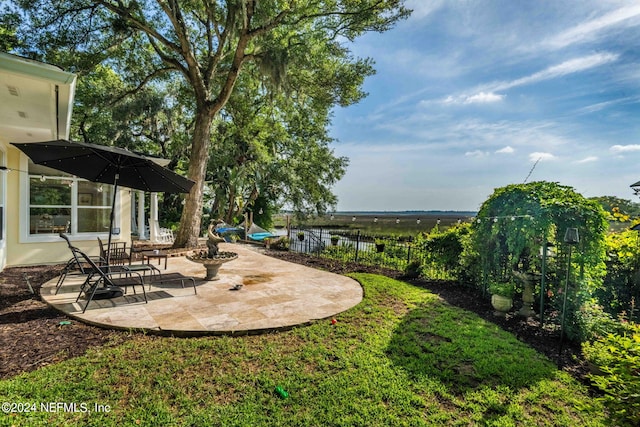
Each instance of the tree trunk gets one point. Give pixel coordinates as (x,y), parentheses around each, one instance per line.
(187,236)
(190,221)
(230,205)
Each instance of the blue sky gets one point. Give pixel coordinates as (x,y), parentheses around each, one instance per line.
(468,95)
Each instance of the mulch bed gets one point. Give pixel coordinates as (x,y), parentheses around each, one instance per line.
(32,335)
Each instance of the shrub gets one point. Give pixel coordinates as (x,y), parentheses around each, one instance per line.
(443,249)
(584,319)
(617,356)
(505,289)
(413,270)
(593,322)
(622,282)
(278,243)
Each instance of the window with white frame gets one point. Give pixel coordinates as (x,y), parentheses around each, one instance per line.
(59,202)
(2,185)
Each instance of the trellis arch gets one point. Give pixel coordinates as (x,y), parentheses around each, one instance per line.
(516,220)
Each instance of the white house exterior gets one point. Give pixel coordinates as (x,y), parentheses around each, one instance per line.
(36,203)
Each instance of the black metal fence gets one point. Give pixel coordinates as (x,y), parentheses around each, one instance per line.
(355,246)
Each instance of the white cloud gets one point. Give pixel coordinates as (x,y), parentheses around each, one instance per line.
(624,148)
(477,154)
(538,156)
(448,100)
(477,98)
(567,67)
(589,159)
(601,105)
(487,93)
(588,30)
(444,132)
(483,98)
(506,150)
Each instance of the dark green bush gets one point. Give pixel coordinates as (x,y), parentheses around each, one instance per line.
(442,249)
(617,359)
(413,270)
(622,283)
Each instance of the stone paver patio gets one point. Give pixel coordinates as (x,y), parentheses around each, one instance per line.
(275,295)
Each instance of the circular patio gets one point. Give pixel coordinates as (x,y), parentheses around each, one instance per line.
(274,295)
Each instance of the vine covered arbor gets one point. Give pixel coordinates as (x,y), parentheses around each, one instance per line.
(515,223)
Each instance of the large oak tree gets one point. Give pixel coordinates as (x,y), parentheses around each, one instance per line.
(207,42)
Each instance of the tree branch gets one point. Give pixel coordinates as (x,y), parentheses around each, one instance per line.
(140,86)
(269,26)
(138,24)
(216,57)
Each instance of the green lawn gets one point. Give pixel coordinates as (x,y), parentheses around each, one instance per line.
(401,357)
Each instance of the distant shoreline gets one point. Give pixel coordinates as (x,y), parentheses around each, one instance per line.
(397,213)
(405,213)
(381,223)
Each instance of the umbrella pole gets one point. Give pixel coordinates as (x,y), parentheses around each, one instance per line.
(113,209)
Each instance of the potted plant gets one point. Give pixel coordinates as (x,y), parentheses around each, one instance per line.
(301,235)
(334,239)
(502,297)
(380,244)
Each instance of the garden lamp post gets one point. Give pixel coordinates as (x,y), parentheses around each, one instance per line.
(546,251)
(571,238)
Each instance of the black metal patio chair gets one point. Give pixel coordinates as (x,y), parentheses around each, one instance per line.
(75,265)
(118,256)
(102,283)
(161,279)
(116,253)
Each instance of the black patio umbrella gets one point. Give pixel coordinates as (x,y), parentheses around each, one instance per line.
(108,165)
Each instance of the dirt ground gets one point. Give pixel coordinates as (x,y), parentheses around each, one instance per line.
(33,335)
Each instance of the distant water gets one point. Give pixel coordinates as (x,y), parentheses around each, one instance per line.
(407,213)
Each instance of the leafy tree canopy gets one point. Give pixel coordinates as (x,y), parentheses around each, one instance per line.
(615,204)
(9,23)
(210,44)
